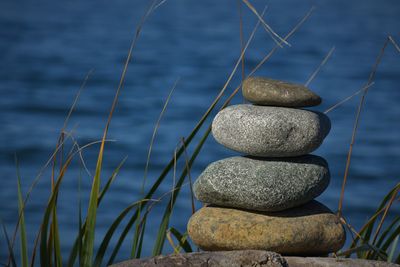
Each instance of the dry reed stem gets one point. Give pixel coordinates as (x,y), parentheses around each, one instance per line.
(385,214)
(157,125)
(173,178)
(239,3)
(348,98)
(277,39)
(356,123)
(308,14)
(373,218)
(394,43)
(189,175)
(314,74)
(354,231)
(268,56)
(53,155)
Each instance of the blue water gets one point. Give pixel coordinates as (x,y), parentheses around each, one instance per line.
(47,48)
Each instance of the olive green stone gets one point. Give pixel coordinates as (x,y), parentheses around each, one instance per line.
(311,229)
(268,92)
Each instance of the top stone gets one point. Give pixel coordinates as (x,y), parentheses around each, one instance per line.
(268,92)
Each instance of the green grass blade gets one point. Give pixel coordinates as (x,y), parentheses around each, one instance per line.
(111,179)
(23,240)
(384,216)
(89,230)
(92,211)
(9,247)
(195,130)
(56,238)
(121,239)
(387,231)
(391,238)
(35,245)
(349,252)
(77,247)
(160,240)
(44,256)
(393,249)
(138,229)
(367,229)
(80,234)
(182,239)
(140,243)
(129,225)
(368,233)
(110,233)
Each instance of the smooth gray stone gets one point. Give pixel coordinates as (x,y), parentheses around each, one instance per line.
(270,131)
(268,92)
(262,184)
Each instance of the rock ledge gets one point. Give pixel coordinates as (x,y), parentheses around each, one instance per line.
(247,258)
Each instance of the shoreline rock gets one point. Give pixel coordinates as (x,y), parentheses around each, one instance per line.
(270,131)
(311,229)
(269,92)
(247,258)
(262,184)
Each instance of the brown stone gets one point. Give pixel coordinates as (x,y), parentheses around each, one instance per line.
(311,229)
(268,92)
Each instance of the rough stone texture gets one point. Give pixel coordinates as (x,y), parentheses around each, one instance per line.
(268,92)
(335,262)
(263,184)
(307,230)
(246,258)
(270,131)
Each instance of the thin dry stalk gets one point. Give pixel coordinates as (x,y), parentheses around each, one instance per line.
(155,201)
(373,218)
(189,175)
(348,98)
(82,160)
(314,74)
(277,39)
(222,91)
(394,43)
(53,155)
(71,110)
(171,242)
(28,193)
(157,125)
(378,229)
(308,14)
(356,123)
(354,231)
(173,177)
(239,3)
(268,56)
(71,155)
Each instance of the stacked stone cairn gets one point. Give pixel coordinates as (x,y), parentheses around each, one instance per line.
(264,200)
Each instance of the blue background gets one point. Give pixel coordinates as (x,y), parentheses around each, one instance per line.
(47,48)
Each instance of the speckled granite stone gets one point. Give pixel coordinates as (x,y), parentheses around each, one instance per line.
(311,229)
(270,131)
(268,92)
(263,184)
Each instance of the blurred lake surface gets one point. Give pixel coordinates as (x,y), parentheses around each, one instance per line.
(48,47)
